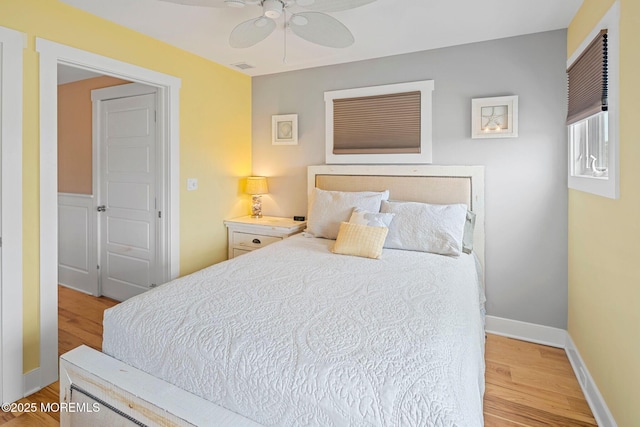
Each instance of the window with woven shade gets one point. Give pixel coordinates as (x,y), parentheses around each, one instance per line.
(380,124)
(592,111)
(377,124)
(588,78)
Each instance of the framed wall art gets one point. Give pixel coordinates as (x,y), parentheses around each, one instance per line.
(494,117)
(284,129)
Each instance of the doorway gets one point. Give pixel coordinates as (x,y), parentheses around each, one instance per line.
(51,55)
(108,181)
(77,197)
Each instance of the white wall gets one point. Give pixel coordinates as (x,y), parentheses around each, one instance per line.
(526,190)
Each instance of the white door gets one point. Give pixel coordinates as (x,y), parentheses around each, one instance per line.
(127,200)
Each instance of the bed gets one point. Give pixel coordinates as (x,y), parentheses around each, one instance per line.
(294,334)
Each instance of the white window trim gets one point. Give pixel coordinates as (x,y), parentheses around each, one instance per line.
(426,133)
(12,44)
(604,187)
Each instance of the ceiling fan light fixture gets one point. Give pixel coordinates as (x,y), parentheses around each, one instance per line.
(313,26)
(272,8)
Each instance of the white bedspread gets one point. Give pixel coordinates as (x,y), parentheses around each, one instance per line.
(292,334)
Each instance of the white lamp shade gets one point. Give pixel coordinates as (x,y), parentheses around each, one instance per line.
(256,185)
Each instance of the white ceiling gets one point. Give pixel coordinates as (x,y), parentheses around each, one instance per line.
(382,28)
(72,74)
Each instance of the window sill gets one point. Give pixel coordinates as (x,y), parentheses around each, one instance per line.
(600,186)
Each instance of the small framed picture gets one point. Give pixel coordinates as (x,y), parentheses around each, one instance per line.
(284,129)
(494,117)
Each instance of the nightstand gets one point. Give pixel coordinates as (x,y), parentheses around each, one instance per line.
(246,234)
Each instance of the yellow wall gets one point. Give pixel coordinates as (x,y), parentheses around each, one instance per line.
(215,135)
(604,269)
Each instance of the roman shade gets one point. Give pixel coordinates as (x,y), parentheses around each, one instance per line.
(588,77)
(378,124)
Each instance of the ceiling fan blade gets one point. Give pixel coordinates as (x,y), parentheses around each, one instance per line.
(203,3)
(332,5)
(251,32)
(321,29)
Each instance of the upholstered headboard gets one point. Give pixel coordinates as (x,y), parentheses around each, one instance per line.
(415,183)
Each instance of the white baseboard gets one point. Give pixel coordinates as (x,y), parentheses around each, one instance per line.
(76,289)
(524,331)
(560,338)
(601,412)
(32,382)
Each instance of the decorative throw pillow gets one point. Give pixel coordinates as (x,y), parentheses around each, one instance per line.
(327,209)
(427,228)
(374,219)
(360,240)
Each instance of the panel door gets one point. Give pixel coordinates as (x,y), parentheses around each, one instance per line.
(127,196)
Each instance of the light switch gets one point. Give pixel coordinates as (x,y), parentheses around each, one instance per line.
(192,184)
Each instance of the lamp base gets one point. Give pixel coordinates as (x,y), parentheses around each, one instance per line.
(256,206)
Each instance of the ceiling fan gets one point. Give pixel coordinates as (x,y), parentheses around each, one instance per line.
(313,25)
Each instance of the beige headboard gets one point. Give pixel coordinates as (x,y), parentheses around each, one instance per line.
(427,189)
(415,183)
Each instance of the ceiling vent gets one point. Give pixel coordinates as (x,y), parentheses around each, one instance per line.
(243,66)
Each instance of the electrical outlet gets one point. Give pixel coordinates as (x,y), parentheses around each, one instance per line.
(192,184)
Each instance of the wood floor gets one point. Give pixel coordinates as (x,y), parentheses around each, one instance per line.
(526,384)
(79,322)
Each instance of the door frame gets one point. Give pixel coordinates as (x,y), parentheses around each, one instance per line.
(105,94)
(12,44)
(52,54)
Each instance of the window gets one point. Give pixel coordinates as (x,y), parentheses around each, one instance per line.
(366,125)
(592,118)
(589,139)
(379,124)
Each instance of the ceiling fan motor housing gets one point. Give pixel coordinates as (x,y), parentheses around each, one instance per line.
(272,8)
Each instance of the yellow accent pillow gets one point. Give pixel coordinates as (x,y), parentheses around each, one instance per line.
(360,240)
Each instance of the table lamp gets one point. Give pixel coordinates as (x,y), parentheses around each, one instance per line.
(256,186)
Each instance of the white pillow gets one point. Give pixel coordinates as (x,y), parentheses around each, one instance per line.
(426,228)
(327,209)
(372,219)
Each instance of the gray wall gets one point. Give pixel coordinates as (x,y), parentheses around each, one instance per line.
(526,189)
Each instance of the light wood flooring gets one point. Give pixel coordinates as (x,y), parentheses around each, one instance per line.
(526,384)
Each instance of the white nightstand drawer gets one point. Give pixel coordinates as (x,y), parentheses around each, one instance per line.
(253,241)
(246,233)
